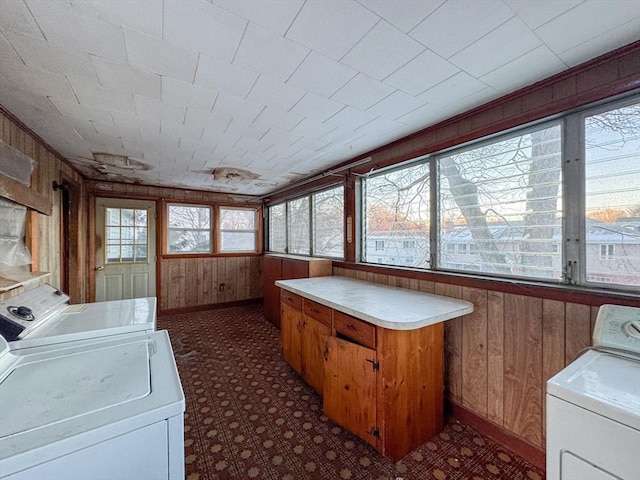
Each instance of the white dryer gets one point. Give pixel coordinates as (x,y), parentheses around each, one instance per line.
(593,405)
(108,408)
(42,316)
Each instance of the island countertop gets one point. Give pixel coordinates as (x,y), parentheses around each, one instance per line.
(382,305)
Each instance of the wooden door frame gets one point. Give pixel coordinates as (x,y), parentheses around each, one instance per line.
(71,268)
(92,236)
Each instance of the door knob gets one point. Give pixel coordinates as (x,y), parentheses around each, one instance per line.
(100,268)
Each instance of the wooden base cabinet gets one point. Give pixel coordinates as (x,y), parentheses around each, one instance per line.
(280,267)
(389,394)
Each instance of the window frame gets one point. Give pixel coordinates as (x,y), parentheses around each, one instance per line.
(167,229)
(220,230)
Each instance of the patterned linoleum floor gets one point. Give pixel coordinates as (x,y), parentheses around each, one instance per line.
(250,416)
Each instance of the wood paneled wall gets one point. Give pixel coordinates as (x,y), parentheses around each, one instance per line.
(193,282)
(499,358)
(45,230)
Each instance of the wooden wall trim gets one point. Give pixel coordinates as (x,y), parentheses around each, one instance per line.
(526,288)
(531,453)
(209,306)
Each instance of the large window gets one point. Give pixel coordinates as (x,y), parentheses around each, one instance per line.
(504,196)
(558,201)
(189,229)
(612,196)
(238,230)
(310,225)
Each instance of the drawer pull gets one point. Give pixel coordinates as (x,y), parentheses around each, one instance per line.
(351,327)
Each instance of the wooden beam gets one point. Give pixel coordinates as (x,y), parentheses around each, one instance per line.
(19,193)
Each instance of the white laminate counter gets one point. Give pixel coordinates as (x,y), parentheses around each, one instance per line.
(382,305)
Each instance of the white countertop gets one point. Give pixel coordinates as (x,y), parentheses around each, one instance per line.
(388,307)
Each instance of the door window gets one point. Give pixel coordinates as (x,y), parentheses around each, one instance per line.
(127,235)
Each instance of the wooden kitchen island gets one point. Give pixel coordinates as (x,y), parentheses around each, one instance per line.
(374,352)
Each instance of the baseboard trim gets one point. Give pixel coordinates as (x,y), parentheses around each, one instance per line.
(210,306)
(531,453)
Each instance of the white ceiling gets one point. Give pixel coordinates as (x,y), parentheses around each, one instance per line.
(280,88)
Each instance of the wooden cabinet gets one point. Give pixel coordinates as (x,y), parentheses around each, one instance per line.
(280,267)
(303,331)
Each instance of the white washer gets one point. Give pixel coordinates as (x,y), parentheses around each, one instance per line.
(42,316)
(593,405)
(100,409)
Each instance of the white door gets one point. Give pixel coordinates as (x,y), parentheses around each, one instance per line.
(125,249)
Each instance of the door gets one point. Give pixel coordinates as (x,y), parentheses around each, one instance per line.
(290,325)
(349,397)
(314,334)
(125,249)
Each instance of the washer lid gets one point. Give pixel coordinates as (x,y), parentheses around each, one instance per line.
(37,394)
(603,383)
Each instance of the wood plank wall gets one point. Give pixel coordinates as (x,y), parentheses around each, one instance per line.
(192,282)
(499,358)
(46,229)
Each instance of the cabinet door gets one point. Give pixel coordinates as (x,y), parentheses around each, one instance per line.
(349,393)
(314,334)
(290,326)
(272,269)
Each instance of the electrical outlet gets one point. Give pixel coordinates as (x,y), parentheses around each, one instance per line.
(221,287)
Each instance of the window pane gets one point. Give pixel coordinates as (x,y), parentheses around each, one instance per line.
(126,216)
(141,253)
(238,241)
(397,217)
(121,234)
(237,219)
(112,216)
(612,196)
(189,217)
(277,228)
(189,241)
(113,254)
(505,198)
(328,223)
(299,226)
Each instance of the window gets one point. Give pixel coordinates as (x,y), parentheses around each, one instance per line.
(310,225)
(408,244)
(379,245)
(606,252)
(612,195)
(328,222)
(396,210)
(278,228)
(238,230)
(189,229)
(504,195)
(462,248)
(126,235)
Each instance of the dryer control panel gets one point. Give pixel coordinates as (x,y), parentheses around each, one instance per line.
(618,326)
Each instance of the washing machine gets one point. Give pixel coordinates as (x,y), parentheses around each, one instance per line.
(102,409)
(43,316)
(593,405)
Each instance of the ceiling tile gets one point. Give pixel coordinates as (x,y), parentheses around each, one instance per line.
(396,105)
(276,15)
(218,75)
(16,17)
(39,53)
(362,91)
(269,91)
(380,126)
(268,53)
(8,56)
(90,94)
(39,82)
(331,28)
(404,15)
(594,17)
(312,129)
(382,51)
(452,89)
(206,120)
(202,27)
(136,124)
(174,129)
(75,110)
(144,16)
(88,33)
(535,14)
(160,57)
(459,23)
(279,118)
(245,129)
(150,107)
(350,118)
(183,93)
(535,65)
(321,75)
(228,105)
(316,107)
(125,78)
(421,73)
(492,51)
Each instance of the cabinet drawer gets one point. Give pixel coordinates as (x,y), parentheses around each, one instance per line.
(362,332)
(317,312)
(291,299)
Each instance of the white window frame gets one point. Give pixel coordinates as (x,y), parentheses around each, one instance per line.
(169,229)
(255,230)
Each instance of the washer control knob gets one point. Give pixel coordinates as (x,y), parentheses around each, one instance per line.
(24,311)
